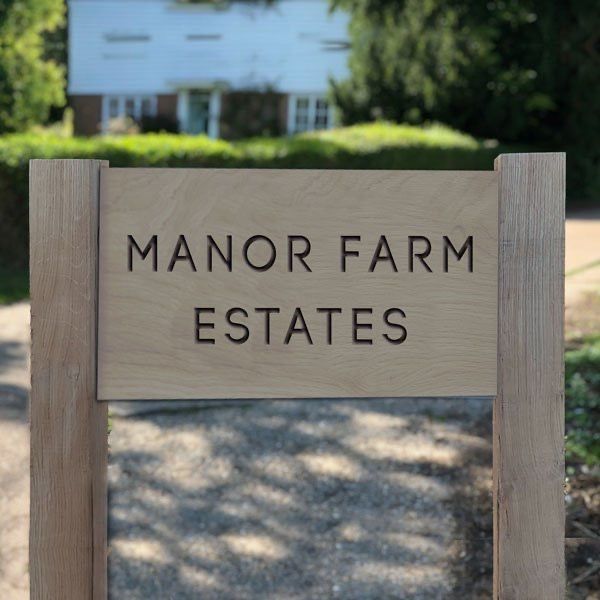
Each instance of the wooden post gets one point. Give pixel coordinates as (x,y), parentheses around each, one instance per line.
(529,409)
(68,532)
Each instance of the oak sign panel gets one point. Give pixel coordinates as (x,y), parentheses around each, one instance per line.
(261,283)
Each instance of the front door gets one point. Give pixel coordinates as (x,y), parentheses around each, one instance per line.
(198,112)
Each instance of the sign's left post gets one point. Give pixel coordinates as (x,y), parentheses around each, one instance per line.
(69,436)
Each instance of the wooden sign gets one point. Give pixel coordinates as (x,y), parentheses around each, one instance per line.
(261,283)
(236,283)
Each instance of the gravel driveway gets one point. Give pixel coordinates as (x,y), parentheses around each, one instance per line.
(355,499)
(309,499)
(14,451)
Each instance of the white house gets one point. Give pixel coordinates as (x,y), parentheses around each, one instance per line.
(225,68)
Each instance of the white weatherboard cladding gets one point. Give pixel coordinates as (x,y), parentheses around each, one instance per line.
(160,46)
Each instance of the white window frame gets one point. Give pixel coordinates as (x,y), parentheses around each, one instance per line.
(214,110)
(121,103)
(312,112)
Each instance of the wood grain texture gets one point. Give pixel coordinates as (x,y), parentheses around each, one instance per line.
(147,346)
(69,450)
(529,409)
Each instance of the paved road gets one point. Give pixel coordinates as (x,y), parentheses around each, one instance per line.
(582,269)
(14,450)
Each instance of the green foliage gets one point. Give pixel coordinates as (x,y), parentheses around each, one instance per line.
(14,285)
(250,114)
(29,83)
(374,146)
(582,393)
(517,70)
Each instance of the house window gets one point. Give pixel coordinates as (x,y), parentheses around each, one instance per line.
(321,113)
(302,119)
(130,107)
(113,108)
(135,107)
(147,107)
(126,37)
(309,112)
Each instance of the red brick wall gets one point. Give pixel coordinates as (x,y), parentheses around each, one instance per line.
(87,114)
(166,105)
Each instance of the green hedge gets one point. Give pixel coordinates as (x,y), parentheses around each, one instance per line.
(373,146)
(582,393)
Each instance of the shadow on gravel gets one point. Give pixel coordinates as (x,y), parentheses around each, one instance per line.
(12,354)
(293,500)
(14,403)
(472,507)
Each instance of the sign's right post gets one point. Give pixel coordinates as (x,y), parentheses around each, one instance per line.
(529,514)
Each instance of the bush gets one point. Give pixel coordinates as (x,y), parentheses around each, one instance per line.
(159,124)
(522,70)
(14,285)
(582,393)
(374,146)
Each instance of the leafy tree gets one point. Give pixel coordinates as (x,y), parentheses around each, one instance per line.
(518,70)
(30,83)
